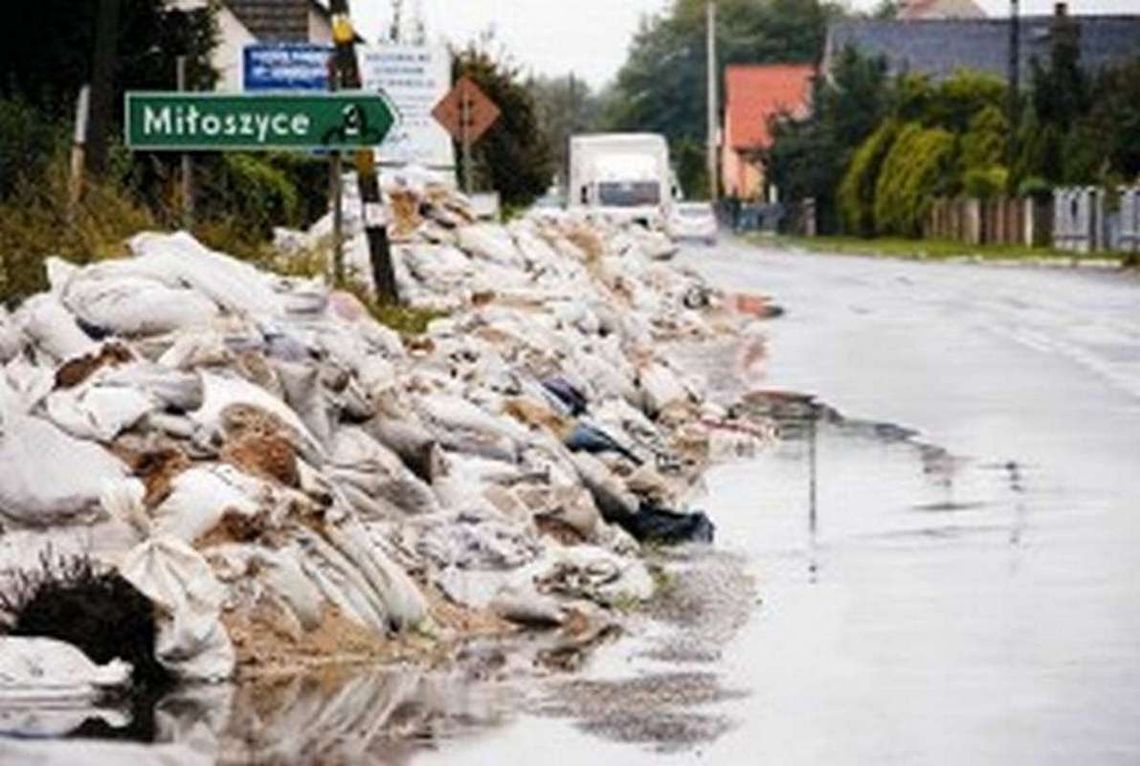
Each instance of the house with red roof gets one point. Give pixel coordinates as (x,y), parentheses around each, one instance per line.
(756,93)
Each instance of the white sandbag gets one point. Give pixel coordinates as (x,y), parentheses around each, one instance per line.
(128,305)
(10,340)
(491,242)
(192,642)
(452,412)
(96,412)
(661,387)
(48,477)
(45,321)
(404,603)
(437,267)
(360,460)
(24,385)
(45,671)
(168,388)
(197,348)
(304,393)
(199,498)
(179,259)
(69,752)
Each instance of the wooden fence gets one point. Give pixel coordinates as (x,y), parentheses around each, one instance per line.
(999,221)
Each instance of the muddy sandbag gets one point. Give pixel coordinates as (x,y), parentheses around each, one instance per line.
(46,671)
(226,398)
(52,328)
(48,477)
(198,500)
(192,642)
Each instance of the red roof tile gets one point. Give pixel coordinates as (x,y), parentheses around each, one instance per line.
(757,92)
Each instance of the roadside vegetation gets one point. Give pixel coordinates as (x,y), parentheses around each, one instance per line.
(239,198)
(878,150)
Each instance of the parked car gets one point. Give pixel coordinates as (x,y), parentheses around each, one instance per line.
(693,220)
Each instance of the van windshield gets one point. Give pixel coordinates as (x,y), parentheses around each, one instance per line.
(629,194)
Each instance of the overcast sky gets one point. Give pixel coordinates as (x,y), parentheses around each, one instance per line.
(591,37)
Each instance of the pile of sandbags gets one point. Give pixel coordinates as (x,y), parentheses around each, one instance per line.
(263,450)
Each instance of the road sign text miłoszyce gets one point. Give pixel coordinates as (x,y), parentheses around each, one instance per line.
(216,122)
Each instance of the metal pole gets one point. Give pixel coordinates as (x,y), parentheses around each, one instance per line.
(713,118)
(468,183)
(1014,80)
(336,194)
(375,224)
(187,175)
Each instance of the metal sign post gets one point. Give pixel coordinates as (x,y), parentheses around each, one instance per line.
(375,225)
(467,113)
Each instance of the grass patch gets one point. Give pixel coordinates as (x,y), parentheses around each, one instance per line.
(924,249)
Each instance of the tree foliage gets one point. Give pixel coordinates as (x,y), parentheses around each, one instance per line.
(662,87)
(514,158)
(914,171)
(565,106)
(808,156)
(856,196)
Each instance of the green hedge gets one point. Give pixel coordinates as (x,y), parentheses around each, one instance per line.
(918,168)
(856,194)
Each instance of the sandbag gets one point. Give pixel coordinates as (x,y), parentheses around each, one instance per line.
(10,340)
(199,498)
(45,671)
(179,259)
(48,477)
(48,324)
(192,642)
(97,412)
(135,305)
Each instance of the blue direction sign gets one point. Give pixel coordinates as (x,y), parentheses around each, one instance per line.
(286,67)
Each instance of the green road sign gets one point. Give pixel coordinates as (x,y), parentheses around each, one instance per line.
(218,122)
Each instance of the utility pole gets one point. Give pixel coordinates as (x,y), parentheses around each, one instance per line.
(102,85)
(713,117)
(1014,109)
(375,223)
(187,178)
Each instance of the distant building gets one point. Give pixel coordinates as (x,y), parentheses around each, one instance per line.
(754,95)
(909,10)
(244,22)
(941,46)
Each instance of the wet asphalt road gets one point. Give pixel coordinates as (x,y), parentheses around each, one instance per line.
(970,594)
(948,562)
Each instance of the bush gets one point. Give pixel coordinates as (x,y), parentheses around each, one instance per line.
(857,189)
(27,143)
(35,223)
(985,183)
(918,167)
